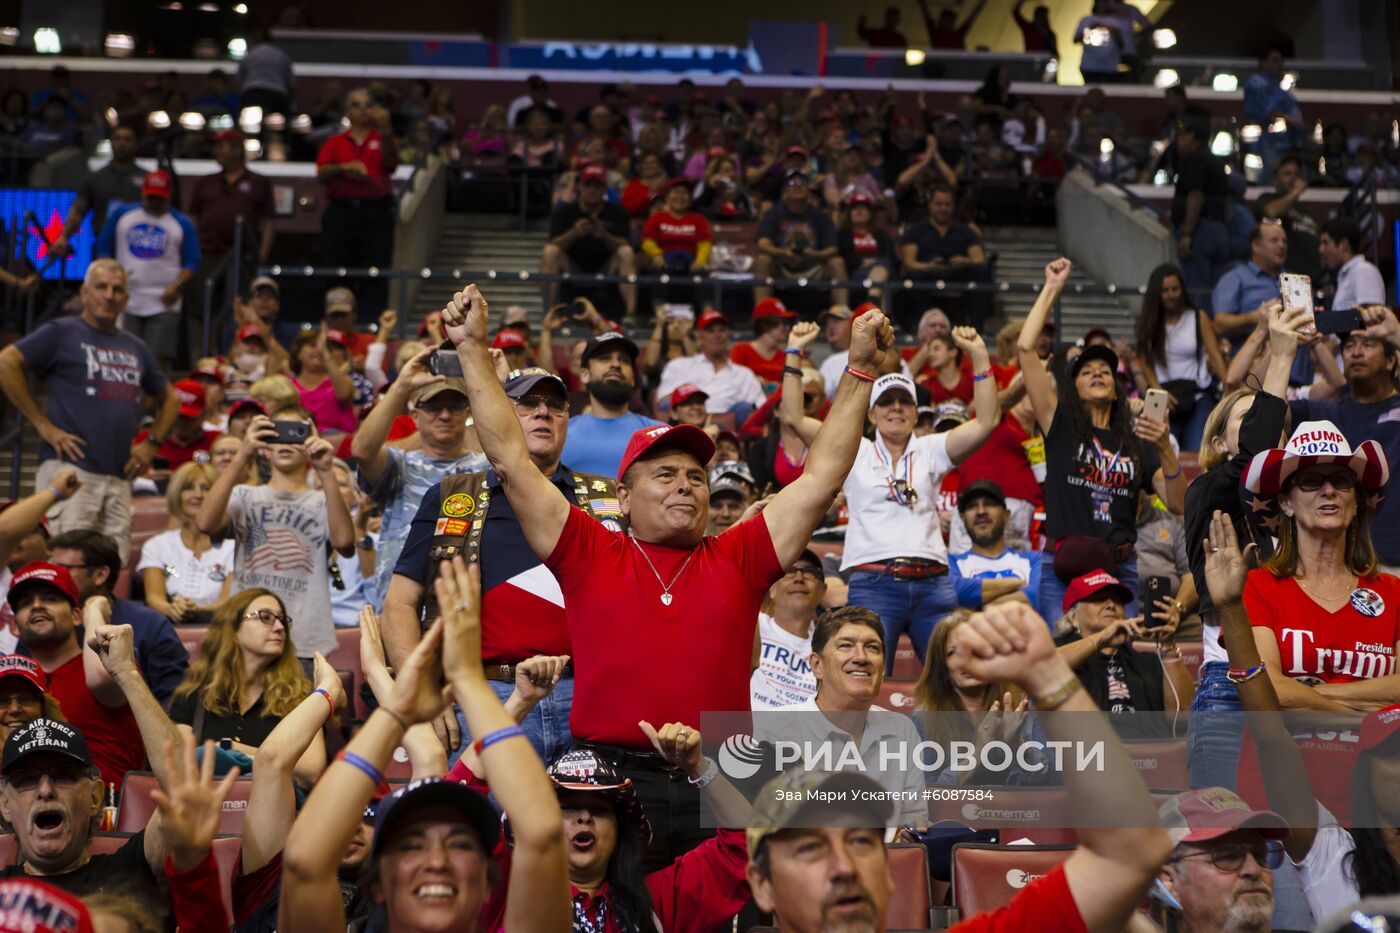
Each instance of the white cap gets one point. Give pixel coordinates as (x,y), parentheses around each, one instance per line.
(893,381)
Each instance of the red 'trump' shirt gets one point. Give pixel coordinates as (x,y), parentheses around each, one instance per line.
(674,234)
(770,370)
(636,658)
(110,731)
(380,157)
(1357,642)
(1002,459)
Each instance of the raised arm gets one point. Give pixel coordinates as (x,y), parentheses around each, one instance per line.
(20,520)
(790,410)
(541,510)
(1110,871)
(426,755)
(341,527)
(1037,378)
(793,514)
(539,873)
(115,648)
(213,513)
(966,438)
(367,447)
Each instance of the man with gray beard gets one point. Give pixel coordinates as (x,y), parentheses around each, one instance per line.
(598,437)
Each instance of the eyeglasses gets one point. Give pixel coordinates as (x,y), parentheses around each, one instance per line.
(529,404)
(268,617)
(1230,858)
(63,777)
(807,570)
(1341,481)
(23,699)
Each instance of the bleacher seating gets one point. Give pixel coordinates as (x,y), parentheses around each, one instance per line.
(136,805)
(896,695)
(986,877)
(911,909)
(1161,764)
(346,657)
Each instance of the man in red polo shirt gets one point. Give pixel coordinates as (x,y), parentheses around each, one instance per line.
(357,228)
(636,601)
(45,601)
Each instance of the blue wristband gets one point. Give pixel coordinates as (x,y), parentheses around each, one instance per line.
(369,770)
(793,350)
(491,738)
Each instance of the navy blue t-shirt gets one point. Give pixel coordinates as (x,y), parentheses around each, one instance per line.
(812,229)
(95,382)
(958,241)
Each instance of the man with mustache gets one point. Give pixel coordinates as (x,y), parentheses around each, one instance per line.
(824,869)
(598,437)
(990,571)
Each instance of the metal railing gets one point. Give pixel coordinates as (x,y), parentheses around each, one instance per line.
(229,269)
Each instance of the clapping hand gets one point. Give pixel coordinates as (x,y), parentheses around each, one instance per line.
(1003,720)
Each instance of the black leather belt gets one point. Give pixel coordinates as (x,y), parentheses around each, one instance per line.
(627,757)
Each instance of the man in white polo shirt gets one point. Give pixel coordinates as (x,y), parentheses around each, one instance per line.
(729,386)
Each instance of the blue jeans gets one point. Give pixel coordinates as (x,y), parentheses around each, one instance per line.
(1215,730)
(1210,257)
(1052,588)
(1188,430)
(547,726)
(913,606)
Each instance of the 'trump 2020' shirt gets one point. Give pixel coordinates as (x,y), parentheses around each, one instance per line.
(1357,642)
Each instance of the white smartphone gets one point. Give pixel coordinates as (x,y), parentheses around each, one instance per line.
(1296,292)
(1156,404)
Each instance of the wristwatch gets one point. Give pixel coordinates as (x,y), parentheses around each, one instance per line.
(366,543)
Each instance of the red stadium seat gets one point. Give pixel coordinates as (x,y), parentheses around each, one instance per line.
(896,695)
(346,657)
(399,767)
(9,849)
(906,662)
(1161,764)
(107,843)
(987,877)
(911,909)
(192,637)
(137,806)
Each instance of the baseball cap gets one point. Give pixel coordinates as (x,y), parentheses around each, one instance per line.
(952,410)
(396,808)
(1091,583)
(800,797)
(795,150)
(1097,352)
(710,316)
(191,395)
(208,371)
(44,735)
(1376,729)
(33,906)
(729,484)
(809,556)
(1211,812)
(250,332)
(1093,332)
(523,380)
(733,468)
(679,183)
(508,339)
(686,437)
(859,197)
(432,389)
(17,665)
(771,307)
(228,136)
(265,281)
(890,382)
(686,392)
(156,183)
(980,487)
(42,573)
(515,315)
(338,336)
(609,340)
(581,770)
(241,404)
(593,173)
(340,298)
(839,312)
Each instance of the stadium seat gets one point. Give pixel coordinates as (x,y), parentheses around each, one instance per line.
(9,849)
(137,806)
(1161,764)
(911,908)
(346,657)
(987,877)
(399,767)
(896,695)
(107,843)
(192,637)
(906,662)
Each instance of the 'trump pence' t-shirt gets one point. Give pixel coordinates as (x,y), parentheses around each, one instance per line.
(637,658)
(95,381)
(1357,642)
(281,545)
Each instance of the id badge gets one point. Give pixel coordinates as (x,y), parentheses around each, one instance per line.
(1103,507)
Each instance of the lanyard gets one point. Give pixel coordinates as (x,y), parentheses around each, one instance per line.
(900,491)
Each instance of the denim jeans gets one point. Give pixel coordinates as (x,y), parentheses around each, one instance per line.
(1210,257)
(1188,430)
(913,606)
(1052,588)
(547,726)
(1216,729)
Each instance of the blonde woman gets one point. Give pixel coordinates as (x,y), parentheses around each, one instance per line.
(185,573)
(275,393)
(247,677)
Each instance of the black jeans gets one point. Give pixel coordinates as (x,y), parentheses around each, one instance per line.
(359,232)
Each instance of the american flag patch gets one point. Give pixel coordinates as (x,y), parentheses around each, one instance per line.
(277,549)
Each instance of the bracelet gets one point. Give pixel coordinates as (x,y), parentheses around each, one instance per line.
(394,716)
(366,768)
(1056,698)
(500,735)
(792,371)
(56,494)
(978,377)
(860,374)
(1173,475)
(1236,676)
(1169,651)
(794,350)
(707,776)
(329,701)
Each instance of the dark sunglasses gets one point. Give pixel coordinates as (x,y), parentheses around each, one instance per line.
(1341,481)
(528,404)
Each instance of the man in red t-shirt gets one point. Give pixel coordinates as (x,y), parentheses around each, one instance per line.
(45,601)
(188,437)
(772,322)
(357,227)
(636,601)
(817,867)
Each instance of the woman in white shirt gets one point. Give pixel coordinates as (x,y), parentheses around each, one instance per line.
(894,541)
(1178,352)
(185,574)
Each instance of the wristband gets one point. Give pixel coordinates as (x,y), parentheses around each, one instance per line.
(860,374)
(978,377)
(707,776)
(793,350)
(56,494)
(1236,676)
(500,735)
(329,701)
(1173,475)
(361,765)
(792,371)
(1056,698)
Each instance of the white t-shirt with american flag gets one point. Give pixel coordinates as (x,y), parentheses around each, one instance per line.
(280,544)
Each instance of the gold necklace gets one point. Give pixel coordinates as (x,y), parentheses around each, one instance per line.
(1311,592)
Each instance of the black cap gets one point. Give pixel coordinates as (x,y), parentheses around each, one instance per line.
(428,792)
(809,556)
(523,380)
(44,736)
(610,340)
(980,487)
(1096,352)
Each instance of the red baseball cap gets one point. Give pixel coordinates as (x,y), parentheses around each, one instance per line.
(507,339)
(157,183)
(208,371)
(865,309)
(593,173)
(17,665)
(1211,812)
(686,392)
(710,316)
(42,573)
(771,307)
(860,197)
(250,332)
(338,336)
(191,395)
(1093,582)
(687,437)
(246,403)
(228,136)
(1378,727)
(795,150)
